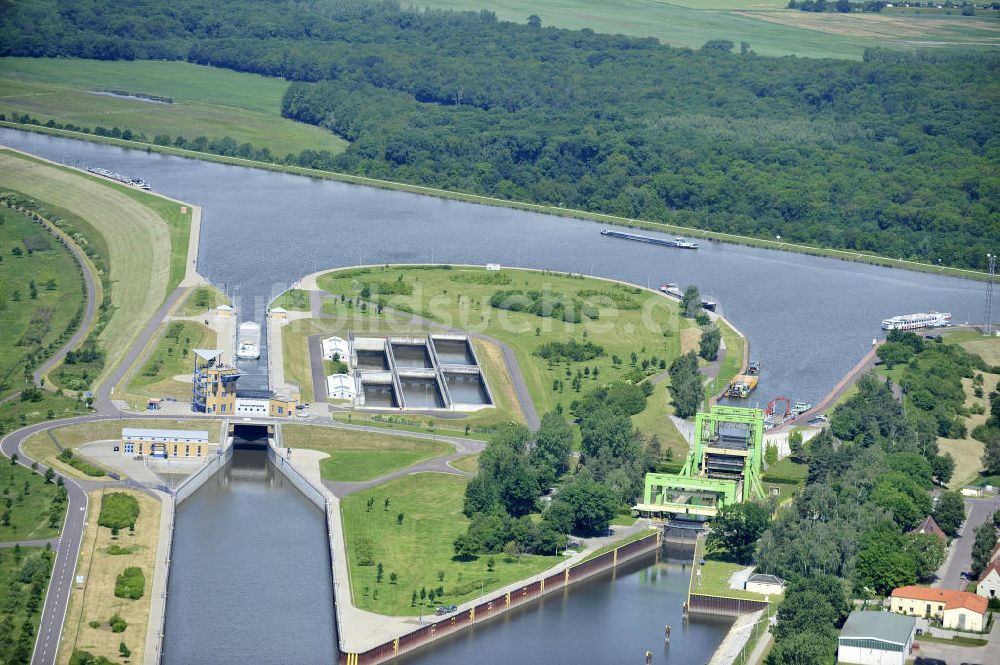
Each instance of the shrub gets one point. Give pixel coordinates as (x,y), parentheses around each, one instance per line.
(117,623)
(118,510)
(130,583)
(116,549)
(94,624)
(87,658)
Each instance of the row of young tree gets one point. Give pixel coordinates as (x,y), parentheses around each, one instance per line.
(840,154)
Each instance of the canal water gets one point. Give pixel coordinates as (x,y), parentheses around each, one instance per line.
(609,619)
(809,319)
(249,572)
(250,579)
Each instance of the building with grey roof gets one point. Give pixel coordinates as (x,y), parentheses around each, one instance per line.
(876,638)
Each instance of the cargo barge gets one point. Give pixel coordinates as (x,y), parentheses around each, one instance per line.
(678,241)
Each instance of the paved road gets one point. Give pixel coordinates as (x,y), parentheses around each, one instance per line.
(318,366)
(89,312)
(51,542)
(960,553)
(954,655)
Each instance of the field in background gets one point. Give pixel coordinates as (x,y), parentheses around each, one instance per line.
(206,101)
(765,24)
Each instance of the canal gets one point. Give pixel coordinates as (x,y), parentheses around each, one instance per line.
(250,578)
(249,572)
(809,319)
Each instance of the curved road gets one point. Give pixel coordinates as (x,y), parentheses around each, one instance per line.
(88,315)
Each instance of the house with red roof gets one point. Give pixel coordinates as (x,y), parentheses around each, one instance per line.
(959,610)
(928,525)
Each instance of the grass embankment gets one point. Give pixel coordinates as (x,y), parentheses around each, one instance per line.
(34,513)
(206,101)
(765,24)
(200,300)
(16,413)
(100,568)
(420,549)
(957,640)
(24,577)
(628,319)
(167,370)
(715,574)
(787,476)
(41,293)
(356,456)
(41,447)
(145,264)
(968,452)
(615,545)
(293,300)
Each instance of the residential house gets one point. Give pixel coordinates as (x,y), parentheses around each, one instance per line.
(959,610)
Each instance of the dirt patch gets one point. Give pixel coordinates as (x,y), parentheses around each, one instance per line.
(690,339)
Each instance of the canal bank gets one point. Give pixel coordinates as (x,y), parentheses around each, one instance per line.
(629,222)
(366,638)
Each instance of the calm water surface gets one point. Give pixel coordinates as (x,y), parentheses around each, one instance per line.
(808,319)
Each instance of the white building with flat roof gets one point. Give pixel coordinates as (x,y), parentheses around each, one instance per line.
(338,346)
(341,386)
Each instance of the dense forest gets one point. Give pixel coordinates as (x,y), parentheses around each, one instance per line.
(895,155)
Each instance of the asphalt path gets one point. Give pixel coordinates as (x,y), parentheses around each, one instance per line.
(90,310)
(959,561)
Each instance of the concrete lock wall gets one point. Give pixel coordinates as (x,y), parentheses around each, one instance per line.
(202,475)
(502,603)
(307,489)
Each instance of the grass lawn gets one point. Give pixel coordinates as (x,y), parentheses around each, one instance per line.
(145,264)
(207,101)
(21,603)
(656,420)
(201,300)
(715,574)
(96,601)
(786,468)
(766,24)
(421,547)
(15,413)
(293,300)
(624,541)
(31,499)
(171,359)
(34,316)
(356,456)
(469,463)
(630,320)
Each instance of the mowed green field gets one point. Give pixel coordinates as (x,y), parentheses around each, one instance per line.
(207,101)
(644,322)
(356,456)
(30,321)
(167,371)
(420,547)
(765,24)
